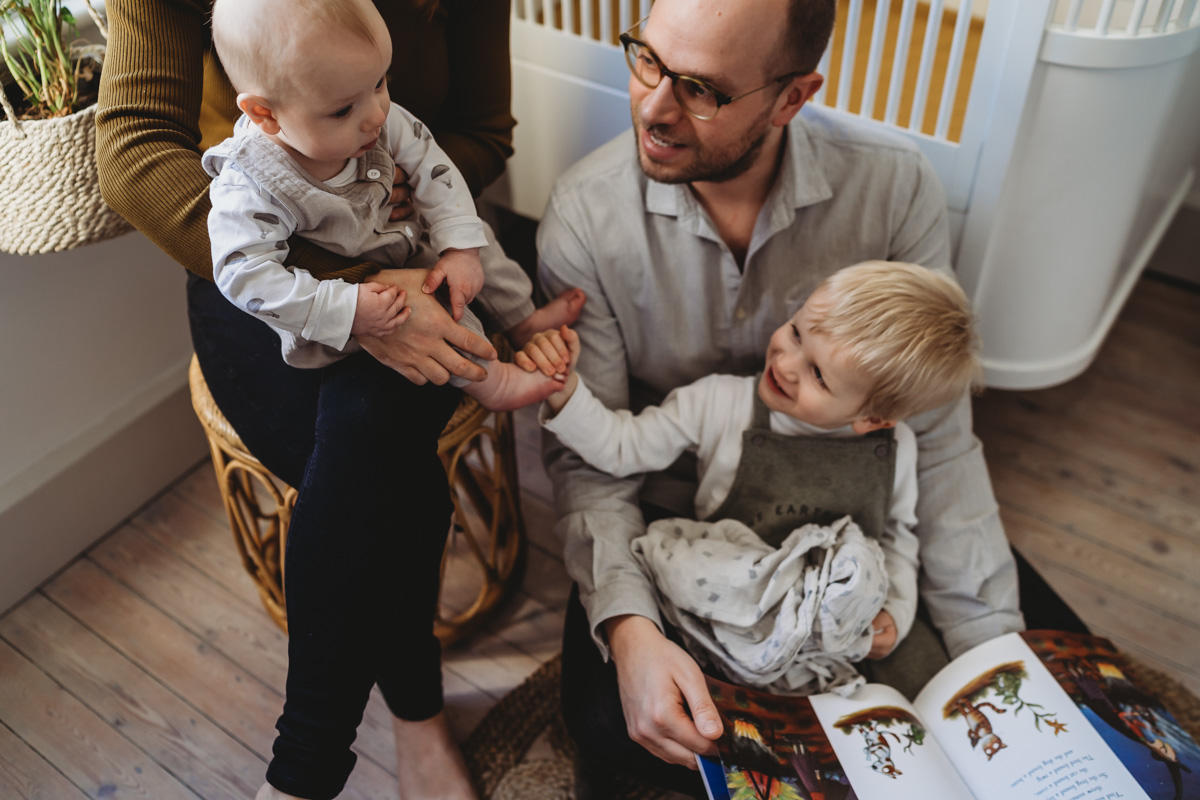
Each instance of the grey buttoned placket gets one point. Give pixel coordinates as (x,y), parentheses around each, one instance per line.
(784,482)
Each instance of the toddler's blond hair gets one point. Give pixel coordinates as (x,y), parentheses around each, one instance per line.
(908,330)
(247,35)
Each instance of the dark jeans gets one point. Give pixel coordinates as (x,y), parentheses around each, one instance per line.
(591,701)
(359,443)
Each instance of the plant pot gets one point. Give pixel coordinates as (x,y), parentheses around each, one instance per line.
(49,187)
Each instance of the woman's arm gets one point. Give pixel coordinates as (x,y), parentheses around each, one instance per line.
(476,123)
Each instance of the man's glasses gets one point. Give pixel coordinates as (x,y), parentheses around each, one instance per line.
(697,97)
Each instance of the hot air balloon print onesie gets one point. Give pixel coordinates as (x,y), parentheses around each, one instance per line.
(261,196)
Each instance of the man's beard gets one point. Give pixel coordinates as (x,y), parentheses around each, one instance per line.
(707,166)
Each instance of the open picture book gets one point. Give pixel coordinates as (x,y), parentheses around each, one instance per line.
(1038,715)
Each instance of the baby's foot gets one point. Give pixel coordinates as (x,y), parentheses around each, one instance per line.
(562,310)
(269,792)
(429,764)
(507,387)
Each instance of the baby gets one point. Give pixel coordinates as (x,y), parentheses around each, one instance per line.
(315,152)
(777,587)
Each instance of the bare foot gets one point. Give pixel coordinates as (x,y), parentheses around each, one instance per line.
(562,310)
(269,792)
(429,765)
(507,387)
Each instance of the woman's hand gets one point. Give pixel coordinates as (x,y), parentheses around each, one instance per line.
(421,349)
(401,197)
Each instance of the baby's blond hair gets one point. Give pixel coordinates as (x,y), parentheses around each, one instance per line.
(244,29)
(908,330)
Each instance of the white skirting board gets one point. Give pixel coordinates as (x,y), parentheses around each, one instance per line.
(61,505)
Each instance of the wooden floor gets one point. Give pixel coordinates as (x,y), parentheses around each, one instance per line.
(148,669)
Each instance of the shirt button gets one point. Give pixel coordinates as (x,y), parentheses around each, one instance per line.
(373,174)
(740,313)
(881,451)
(758,438)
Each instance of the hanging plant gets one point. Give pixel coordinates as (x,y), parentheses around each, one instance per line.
(49,188)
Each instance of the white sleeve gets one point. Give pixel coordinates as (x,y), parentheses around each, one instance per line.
(622,443)
(249,231)
(439,191)
(899,540)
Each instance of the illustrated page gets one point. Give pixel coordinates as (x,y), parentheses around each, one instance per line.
(1147,739)
(1014,734)
(884,749)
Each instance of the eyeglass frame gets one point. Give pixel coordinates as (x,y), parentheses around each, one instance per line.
(722,98)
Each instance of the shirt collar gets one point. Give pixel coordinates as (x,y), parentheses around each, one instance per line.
(800,182)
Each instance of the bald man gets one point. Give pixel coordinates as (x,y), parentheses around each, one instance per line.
(695,236)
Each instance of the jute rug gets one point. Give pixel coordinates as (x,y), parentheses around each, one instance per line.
(496,749)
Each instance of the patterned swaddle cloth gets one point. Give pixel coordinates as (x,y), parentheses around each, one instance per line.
(790,619)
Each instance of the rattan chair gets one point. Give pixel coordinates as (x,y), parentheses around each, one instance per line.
(484,556)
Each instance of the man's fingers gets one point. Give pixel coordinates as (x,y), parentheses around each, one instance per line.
(705,718)
(410,373)
(477,346)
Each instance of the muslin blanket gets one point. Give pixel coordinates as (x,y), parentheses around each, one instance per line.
(790,619)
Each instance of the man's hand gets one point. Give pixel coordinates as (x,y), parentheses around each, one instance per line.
(401,197)
(463,275)
(421,349)
(884,629)
(379,310)
(660,684)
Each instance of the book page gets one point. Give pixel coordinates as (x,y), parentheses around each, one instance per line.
(796,748)
(1014,734)
(884,749)
(1147,739)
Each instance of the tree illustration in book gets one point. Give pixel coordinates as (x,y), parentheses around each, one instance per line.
(1134,723)
(878,727)
(1002,683)
(771,753)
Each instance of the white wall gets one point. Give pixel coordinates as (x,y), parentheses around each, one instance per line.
(94,412)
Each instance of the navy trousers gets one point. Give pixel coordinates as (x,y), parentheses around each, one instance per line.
(359,443)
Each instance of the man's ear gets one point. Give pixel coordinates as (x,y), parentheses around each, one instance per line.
(868,424)
(256,108)
(798,91)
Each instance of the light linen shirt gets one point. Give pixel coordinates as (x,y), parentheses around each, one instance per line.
(708,418)
(668,304)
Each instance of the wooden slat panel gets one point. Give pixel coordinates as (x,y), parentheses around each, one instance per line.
(175,735)
(79,744)
(203,543)
(1124,577)
(1161,550)
(1096,483)
(233,698)
(243,633)
(25,775)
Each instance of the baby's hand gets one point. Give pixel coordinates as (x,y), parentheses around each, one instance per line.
(462,272)
(555,353)
(884,629)
(380,310)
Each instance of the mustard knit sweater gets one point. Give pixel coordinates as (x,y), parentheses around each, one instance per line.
(164,98)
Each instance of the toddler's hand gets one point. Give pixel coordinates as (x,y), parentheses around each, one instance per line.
(555,353)
(380,310)
(884,629)
(549,352)
(462,272)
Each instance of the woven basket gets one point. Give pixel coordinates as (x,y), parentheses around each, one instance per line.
(49,187)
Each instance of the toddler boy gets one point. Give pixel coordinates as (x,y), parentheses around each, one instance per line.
(315,152)
(776,587)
